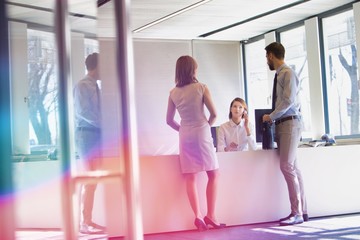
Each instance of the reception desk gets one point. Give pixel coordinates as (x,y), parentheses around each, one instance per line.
(251,190)
(251,187)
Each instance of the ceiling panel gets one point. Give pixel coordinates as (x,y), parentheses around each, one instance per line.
(145,11)
(211,16)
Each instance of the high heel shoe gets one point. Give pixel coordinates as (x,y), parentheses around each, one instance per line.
(208,221)
(199,223)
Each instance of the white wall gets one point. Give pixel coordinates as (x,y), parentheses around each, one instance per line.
(218,67)
(154,77)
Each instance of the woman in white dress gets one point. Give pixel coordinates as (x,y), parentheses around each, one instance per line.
(238,133)
(196,149)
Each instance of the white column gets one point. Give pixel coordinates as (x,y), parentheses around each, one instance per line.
(315,77)
(77,57)
(19,88)
(269,38)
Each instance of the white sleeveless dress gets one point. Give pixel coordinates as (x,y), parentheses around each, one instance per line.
(196,147)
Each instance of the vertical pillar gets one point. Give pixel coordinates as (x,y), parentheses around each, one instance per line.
(111,118)
(19,88)
(7,226)
(62,31)
(77,73)
(315,76)
(77,57)
(125,66)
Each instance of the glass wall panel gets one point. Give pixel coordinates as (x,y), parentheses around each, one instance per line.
(258,87)
(294,42)
(34,80)
(34,85)
(256,75)
(342,84)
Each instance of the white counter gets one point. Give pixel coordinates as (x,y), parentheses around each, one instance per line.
(251,190)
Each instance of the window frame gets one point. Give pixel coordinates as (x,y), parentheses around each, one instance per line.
(320,17)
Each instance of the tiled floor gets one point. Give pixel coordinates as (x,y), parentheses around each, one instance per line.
(343,227)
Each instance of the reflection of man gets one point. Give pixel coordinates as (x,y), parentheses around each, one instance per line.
(88,137)
(288,125)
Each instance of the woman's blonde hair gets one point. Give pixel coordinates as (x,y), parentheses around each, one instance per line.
(185,71)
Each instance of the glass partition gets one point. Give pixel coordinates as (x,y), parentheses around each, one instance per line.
(34,81)
(34,113)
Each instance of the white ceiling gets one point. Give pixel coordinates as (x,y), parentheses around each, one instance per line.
(249,18)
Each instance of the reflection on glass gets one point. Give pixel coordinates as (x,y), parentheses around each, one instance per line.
(294,42)
(341,74)
(34,55)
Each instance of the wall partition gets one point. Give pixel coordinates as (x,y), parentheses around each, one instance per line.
(48,58)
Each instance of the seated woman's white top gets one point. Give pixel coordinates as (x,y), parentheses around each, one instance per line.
(231,132)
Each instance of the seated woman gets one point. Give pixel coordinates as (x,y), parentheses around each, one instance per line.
(237,133)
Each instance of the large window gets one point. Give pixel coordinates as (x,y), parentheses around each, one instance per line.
(342,81)
(258,86)
(42,91)
(294,42)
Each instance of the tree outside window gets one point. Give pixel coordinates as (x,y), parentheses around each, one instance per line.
(42,88)
(342,79)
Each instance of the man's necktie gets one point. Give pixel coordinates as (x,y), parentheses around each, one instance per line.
(274,92)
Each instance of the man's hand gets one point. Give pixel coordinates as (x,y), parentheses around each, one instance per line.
(266,118)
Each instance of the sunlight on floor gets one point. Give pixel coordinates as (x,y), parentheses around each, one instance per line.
(346,227)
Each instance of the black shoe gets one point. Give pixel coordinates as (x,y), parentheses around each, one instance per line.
(91,228)
(297,219)
(208,221)
(305,217)
(286,218)
(200,225)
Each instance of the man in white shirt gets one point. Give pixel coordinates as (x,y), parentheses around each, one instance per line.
(288,126)
(88,138)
